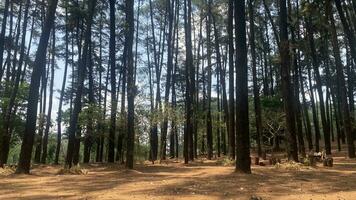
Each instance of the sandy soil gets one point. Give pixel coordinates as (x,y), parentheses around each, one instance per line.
(174,180)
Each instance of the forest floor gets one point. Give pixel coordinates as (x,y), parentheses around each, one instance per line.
(201,179)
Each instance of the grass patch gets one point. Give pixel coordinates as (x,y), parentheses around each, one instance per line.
(225,162)
(7,170)
(290,166)
(77,170)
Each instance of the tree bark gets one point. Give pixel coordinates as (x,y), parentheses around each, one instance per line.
(73,125)
(48,120)
(39,65)
(243,160)
(256,90)
(131,88)
(287,93)
(112,131)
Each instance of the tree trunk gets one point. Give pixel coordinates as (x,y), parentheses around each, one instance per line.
(170,6)
(39,65)
(347,29)
(112,131)
(341,84)
(10,110)
(48,120)
(189,73)
(131,88)
(73,125)
(326,127)
(287,93)
(60,112)
(209,127)
(243,160)
(2,35)
(231,80)
(256,90)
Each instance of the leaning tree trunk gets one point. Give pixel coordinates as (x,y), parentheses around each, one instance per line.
(341,84)
(72,130)
(48,120)
(10,110)
(39,65)
(326,126)
(2,35)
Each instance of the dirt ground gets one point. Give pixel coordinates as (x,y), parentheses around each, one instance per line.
(173,180)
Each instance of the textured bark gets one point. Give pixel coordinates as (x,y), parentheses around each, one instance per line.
(131,88)
(243,160)
(189,72)
(287,93)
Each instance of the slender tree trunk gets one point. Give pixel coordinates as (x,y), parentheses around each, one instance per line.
(10,110)
(314,112)
(60,104)
(39,65)
(274,28)
(73,125)
(112,131)
(295,65)
(287,93)
(209,127)
(222,83)
(341,84)
(2,35)
(48,120)
(350,35)
(256,95)
(88,139)
(306,112)
(170,6)
(231,80)
(189,72)
(131,88)
(326,127)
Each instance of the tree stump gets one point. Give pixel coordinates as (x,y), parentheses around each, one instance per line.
(264,155)
(257,160)
(328,162)
(273,161)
